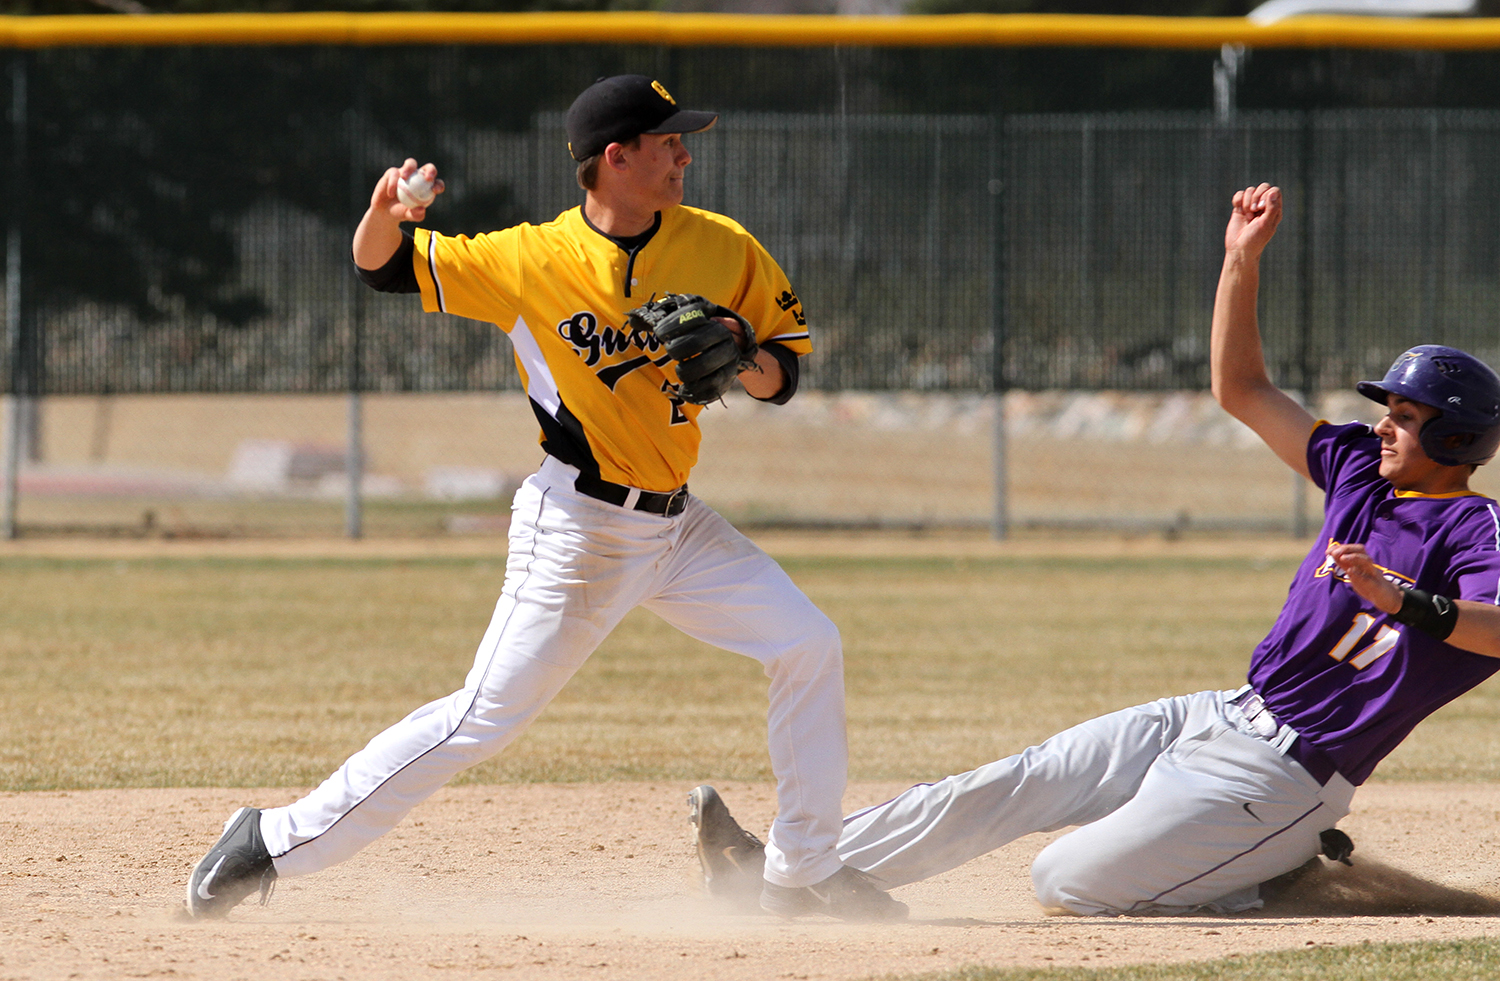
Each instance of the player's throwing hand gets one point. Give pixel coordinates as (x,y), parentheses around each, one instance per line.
(391,197)
(1257,212)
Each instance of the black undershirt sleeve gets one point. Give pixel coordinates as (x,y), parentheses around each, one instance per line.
(791,364)
(397,275)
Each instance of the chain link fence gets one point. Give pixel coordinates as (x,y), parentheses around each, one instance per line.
(190,245)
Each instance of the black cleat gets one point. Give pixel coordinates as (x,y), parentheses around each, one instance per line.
(732,858)
(236,866)
(848,894)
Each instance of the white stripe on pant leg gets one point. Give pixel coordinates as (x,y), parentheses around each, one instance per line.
(405,765)
(294,827)
(543,629)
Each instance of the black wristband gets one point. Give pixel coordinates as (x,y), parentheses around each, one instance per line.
(1428,612)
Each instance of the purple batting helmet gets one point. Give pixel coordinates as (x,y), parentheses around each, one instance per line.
(1462,388)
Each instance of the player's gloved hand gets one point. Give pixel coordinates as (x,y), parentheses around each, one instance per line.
(707,354)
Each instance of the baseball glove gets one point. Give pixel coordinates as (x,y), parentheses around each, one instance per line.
(708,356)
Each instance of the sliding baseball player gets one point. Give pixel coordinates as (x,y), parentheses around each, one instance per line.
(1191,803)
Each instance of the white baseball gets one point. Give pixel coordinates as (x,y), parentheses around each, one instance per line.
(415,191)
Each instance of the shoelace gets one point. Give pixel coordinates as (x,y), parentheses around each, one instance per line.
(267,885)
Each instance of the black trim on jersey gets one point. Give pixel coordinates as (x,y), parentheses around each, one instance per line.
(564,438)
(791,363)
(611,376)
(397,275)
(632,244)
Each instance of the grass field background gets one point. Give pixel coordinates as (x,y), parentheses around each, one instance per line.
(1466,960)
(162,667)
(221,671)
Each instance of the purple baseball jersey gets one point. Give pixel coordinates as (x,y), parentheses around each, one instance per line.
(1351,679)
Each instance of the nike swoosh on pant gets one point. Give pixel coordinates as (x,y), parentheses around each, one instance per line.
(203,892)
(1246,806)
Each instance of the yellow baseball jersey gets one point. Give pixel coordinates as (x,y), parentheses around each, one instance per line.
(561,290)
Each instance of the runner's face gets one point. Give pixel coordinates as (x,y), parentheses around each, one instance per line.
(1402,460)
(656,169)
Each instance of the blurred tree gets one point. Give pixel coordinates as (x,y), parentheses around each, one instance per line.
(152,155)
(194,141)
(154,230)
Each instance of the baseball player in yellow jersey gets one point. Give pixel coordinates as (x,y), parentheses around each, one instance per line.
(607,523)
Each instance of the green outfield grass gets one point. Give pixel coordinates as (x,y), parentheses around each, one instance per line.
(1461,960)
(268,672)
(246,672)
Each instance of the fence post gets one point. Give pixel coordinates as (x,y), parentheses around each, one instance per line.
(1000,519)
(1305,374)
(354,466)
(354,448)
(10,480)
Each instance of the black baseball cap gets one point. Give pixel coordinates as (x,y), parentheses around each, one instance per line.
(622,107)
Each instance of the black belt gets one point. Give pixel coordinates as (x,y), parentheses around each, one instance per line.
(668,505)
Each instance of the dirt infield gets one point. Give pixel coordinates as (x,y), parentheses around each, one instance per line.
(593,881)
(568,881)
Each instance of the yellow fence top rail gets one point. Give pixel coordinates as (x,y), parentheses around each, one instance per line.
(747,30)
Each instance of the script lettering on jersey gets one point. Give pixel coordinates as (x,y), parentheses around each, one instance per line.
(1330,568)
(786,301)
(593,343)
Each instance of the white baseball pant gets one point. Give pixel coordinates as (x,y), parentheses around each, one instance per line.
(1184,807)
(576,566)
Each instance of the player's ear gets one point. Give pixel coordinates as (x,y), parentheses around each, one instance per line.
(614,157)
(1455,442)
